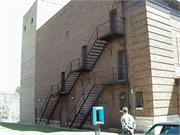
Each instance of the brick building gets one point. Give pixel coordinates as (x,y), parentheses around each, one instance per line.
(102,53)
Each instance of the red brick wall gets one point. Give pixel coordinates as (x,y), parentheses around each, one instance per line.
(55,49)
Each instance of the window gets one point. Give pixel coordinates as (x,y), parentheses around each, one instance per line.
(24,28)
(84,54)
(121,65)
(139,99)
(164,130)
(31,20)
(122,100)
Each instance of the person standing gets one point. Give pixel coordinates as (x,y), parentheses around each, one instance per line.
(128,122)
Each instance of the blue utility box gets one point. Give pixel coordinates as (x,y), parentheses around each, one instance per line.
(98,115)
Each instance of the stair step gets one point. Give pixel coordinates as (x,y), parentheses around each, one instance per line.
(94,58)
(84,114)
(72,76)
(79,121)
(100,42)
(73,72)
(98,46)
(95,52)
(69,82)
(62,93)
(89,64)
(90,61)
(97,49)
(86,105)
(85,67)
(93,55)
(96,90)
(85,110)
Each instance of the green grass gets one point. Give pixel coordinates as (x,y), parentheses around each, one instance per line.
(23,129)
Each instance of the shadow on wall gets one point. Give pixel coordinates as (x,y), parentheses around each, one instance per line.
(173,103)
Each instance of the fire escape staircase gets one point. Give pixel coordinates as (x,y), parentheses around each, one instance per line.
(84,104)
(96,44)
(91,94)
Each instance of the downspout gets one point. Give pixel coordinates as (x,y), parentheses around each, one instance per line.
(125,49)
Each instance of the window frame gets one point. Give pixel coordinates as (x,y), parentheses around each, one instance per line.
(139,100)
(121,105)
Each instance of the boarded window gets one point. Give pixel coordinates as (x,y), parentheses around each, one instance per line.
(139,99)
(122,100)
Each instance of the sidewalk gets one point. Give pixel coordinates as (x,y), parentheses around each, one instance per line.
(89,133)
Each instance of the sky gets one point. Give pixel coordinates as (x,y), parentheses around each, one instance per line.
(11,21)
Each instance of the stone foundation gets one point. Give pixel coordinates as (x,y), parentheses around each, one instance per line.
(144,123)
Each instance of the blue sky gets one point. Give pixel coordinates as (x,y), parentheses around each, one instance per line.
(11,20)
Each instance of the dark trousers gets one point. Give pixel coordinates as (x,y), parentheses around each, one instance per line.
(126,132)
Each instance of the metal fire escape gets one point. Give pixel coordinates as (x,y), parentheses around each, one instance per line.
(91,94)
(96,44)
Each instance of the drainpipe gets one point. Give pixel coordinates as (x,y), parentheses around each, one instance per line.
(125,49)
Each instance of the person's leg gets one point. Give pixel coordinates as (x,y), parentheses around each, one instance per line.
(125,133)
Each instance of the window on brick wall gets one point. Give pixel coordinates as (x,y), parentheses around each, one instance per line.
(121,65)
(122,100)
(139,99)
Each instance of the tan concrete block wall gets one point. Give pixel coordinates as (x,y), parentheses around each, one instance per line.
(139,59)
(162,62)
(27,106)
(176,45)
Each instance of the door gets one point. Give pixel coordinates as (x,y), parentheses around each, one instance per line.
(113,21)
(84,54)
(63,118)
(63,81)
(106,115)
(121,65)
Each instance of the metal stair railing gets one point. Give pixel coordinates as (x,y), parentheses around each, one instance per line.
(80,101)
(53,91)
(47,99)
(98,78)
(100,31)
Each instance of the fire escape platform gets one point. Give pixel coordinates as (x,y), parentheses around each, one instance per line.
(111,36)
(115,82)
